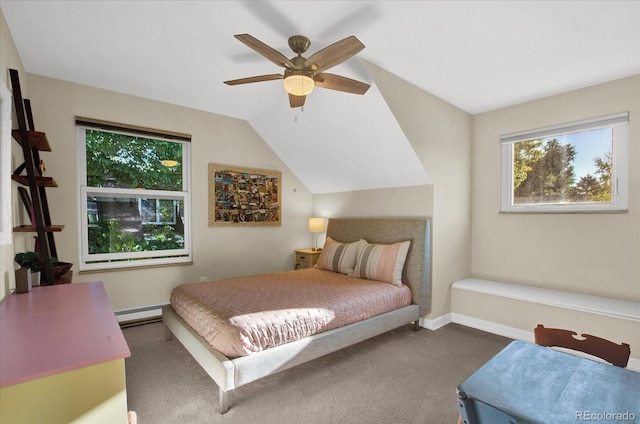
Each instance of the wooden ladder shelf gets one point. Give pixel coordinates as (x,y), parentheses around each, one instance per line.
(35,200)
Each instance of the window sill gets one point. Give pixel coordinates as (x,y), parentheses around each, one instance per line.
(556,212)
(132,268)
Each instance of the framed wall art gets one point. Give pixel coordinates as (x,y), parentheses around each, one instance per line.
(243,196)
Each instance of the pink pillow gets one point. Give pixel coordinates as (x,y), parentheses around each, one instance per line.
(381,262)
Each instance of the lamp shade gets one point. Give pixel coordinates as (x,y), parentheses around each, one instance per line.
(316,225)
(298,84)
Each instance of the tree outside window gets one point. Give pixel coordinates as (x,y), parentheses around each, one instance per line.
(136,199)
(544,172)
(577,167)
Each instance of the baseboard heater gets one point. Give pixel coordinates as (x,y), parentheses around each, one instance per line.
(139,316)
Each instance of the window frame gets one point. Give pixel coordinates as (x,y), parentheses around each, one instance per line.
(156,212)
(619,168)
(128,260)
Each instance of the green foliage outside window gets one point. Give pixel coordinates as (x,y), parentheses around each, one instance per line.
(543,172)
(124,161)
(108,237)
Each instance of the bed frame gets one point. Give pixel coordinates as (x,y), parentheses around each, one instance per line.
(229,374)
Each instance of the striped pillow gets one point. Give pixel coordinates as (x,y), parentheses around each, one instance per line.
(339,257)
(381,262)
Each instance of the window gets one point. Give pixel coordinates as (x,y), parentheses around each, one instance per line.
(134,195)
(575,167)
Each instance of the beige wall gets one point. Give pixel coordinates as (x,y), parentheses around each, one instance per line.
(9,59)
(218,252)
(441,136)
(596,254)
(593,254)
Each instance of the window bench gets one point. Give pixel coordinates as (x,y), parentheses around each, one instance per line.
(580,302)
(514,310)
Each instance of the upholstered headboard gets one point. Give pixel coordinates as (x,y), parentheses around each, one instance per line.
(417,268)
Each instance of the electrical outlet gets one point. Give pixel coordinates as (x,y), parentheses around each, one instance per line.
(204,279)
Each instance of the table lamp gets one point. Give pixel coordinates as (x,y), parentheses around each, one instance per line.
(316,225)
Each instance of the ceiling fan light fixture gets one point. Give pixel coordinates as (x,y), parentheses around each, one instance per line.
(298,83)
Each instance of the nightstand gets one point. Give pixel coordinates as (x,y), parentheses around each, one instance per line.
(306,258)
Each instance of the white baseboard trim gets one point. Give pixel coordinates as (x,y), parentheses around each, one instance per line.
(492,327)
(135,314)
(434,324)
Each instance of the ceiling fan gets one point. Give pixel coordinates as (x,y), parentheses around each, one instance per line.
(302,74)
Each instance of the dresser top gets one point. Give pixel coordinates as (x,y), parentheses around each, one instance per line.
(56,329)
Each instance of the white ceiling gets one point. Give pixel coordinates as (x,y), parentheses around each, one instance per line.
(476,55)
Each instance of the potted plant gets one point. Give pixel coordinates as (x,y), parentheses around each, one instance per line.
(28,274)
(33,261)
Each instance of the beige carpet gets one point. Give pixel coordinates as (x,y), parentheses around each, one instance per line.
(399,377)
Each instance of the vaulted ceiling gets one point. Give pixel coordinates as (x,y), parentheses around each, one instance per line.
(476,55)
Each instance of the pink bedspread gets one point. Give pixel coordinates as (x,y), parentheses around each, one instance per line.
(239,316)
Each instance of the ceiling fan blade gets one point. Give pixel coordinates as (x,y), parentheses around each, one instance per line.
(334,54)
(258,78)
(337,82)
(358,19)
(272,16)
(266,51)
(296,101)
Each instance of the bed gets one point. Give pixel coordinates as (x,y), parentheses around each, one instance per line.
(231,371)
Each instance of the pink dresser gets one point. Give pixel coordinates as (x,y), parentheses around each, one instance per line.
(62,356)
